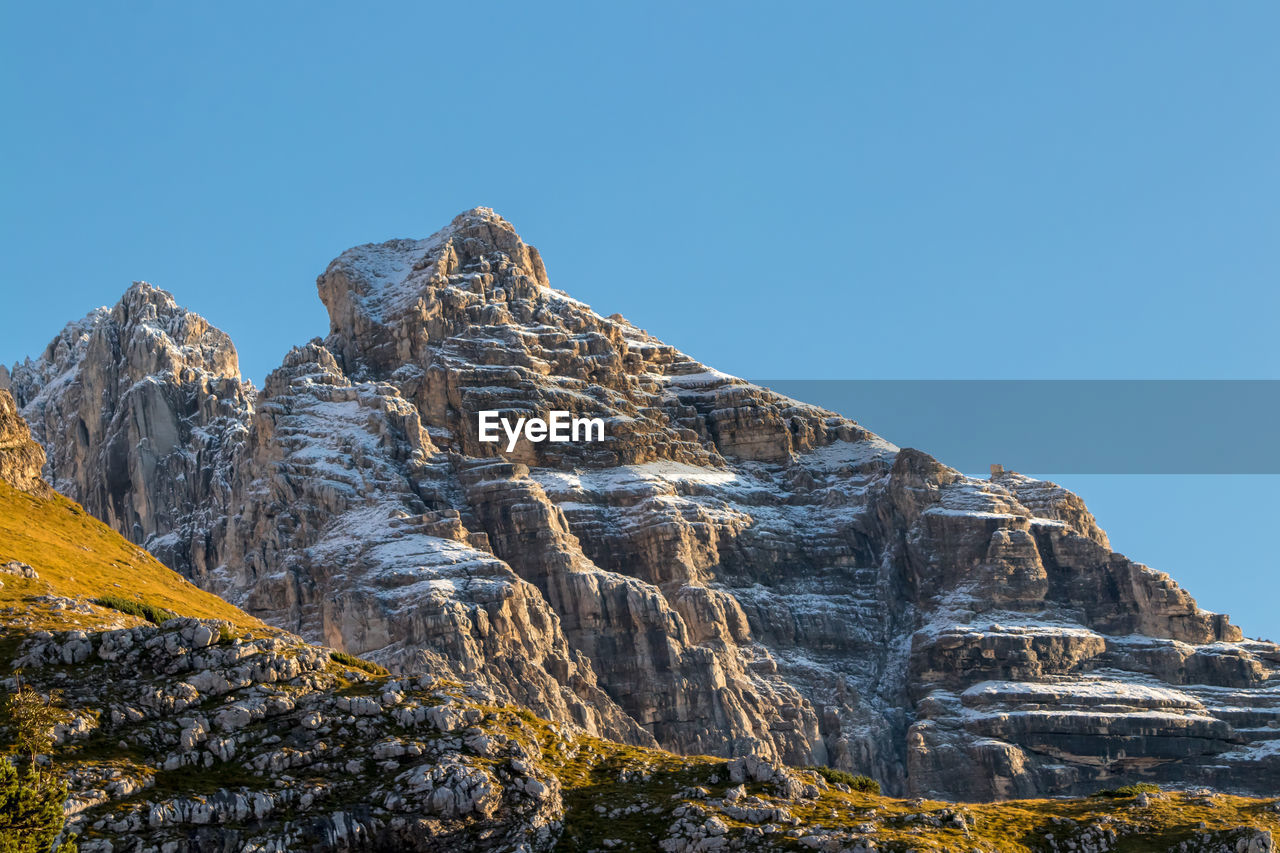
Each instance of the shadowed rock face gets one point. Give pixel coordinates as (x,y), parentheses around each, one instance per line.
(729,572)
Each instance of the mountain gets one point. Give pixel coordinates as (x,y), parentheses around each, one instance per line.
(729,572)
(212,731)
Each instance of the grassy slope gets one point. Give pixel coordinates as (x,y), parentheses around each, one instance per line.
(78,556)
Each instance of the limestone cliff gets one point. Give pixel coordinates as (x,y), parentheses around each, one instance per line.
(140,408)
(730,572)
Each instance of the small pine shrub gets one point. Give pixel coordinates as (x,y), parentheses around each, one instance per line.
(31,719)
(1129,790)
(225,635)
(31,811)
(862,784)
(153,614)
(358,663)
(865,784)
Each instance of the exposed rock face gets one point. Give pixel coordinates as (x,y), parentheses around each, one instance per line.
(21,458)
(729,572)
(141,407)
(346,532)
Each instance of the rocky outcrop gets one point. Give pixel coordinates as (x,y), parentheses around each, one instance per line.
(141,407)
(206,740)
(21,458)
(728,572)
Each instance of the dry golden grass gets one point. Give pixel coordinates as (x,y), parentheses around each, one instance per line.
(78,556)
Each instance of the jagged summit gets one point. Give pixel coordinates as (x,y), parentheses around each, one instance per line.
(140,406)
(145,334)
(387,277)
(728,572)
(387,300)
(466,320)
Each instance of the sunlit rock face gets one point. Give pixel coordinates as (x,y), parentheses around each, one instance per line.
(141,407)
(21,458)
(729,571)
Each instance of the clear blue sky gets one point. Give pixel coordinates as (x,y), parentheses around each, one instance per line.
(935,190)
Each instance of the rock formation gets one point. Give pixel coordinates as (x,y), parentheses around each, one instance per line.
(384,764)
(187,737)
(141,407)
(21,459)
(730,572)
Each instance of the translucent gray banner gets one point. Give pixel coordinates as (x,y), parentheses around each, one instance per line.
(1066,426)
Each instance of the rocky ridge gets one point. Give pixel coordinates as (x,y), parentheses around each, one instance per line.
(207,739)
(731,572)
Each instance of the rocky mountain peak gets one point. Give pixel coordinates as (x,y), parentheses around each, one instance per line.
(397,271)
(140,406)
(466,321)
(146,334)
(386,301)
(156,335)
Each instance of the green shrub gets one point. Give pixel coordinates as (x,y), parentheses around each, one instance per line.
(30,811)
(31,797)
(358,663)
(862,784)
(31,719)
(1129,790)
(156,615)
